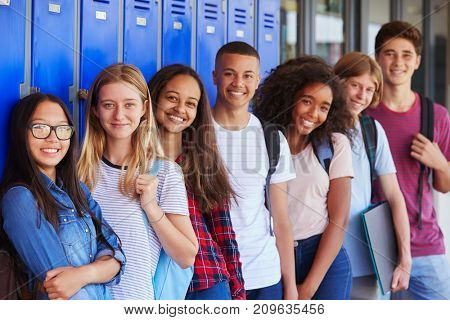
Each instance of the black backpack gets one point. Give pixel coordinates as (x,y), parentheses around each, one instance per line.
(427,129)
(12,278)
(272,139)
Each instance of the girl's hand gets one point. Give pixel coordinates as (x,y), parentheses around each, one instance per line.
(62,283)
(146,186)
(304,292)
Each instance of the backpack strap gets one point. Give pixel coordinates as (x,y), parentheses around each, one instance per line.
(427,129)
(324,151)
(155,167)
(370,138)
(272,139)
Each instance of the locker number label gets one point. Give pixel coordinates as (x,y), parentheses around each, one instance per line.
(141,21)
(177,25)
(240,33)
(55,8)
(5,2)
(100,15)
(268,37)
(210,29)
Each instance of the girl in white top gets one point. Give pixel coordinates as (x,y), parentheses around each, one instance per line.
(120,146)
(363,83)
(303,97)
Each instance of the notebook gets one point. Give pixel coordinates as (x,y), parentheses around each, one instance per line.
(382,243)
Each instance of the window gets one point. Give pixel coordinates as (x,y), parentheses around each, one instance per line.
(329,30)
(289,12)
(379,13)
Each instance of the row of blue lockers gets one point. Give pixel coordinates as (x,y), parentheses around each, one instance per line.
(58,46)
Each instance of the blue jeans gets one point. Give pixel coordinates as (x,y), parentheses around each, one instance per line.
(220,291)
(274,292)
(430,279)
(337,283)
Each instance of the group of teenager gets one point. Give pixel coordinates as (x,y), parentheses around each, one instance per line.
(252,228)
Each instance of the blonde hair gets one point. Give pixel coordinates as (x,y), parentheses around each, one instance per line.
(355,64)
(145,140)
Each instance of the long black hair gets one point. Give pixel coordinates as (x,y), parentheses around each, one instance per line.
(21,170)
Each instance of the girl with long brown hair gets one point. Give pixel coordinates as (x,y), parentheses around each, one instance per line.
(184,118)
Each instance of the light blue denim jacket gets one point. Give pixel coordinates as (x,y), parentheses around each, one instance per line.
(42,248)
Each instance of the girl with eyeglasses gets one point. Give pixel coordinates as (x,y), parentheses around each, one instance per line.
(50,223)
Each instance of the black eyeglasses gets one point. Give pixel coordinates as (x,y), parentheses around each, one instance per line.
(43,131)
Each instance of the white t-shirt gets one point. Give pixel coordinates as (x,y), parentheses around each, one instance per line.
(126,217)
(355,239)
(308,192)
(245,155)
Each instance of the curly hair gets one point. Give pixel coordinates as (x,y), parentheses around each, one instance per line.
(275,99)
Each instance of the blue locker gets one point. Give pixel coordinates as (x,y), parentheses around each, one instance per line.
(12,64)
(53,47)
(210,37)
(268,35)
(141,35)
(240,21)
(176,32)
(99,43)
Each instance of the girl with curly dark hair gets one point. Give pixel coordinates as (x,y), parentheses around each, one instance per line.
(303,97)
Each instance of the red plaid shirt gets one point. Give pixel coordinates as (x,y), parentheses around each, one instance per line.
(218,256)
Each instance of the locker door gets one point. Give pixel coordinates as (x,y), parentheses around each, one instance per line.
(210,37)
(240,21)
(268,40)
(176,32)
(99,43)
(12,64)
(53,47)
(141,35)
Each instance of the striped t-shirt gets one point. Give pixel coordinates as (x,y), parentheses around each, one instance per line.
(139,241)
(401,127)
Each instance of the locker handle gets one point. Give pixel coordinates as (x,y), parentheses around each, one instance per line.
(35,90)
(83,94)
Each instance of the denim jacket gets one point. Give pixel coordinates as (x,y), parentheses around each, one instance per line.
(42,248)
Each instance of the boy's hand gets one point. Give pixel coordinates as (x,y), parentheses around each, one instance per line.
(290,293)
(428,153)
(400,278)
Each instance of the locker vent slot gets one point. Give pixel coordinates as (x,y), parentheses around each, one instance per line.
(269,20)
(142,4)
(178,7)
(211,11)
(102,1)
(240,16)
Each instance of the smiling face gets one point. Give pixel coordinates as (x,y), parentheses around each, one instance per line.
(236,77)
(398,61)
(119,110)
(177,103)
(311,108)
(47,153)
(359,92)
